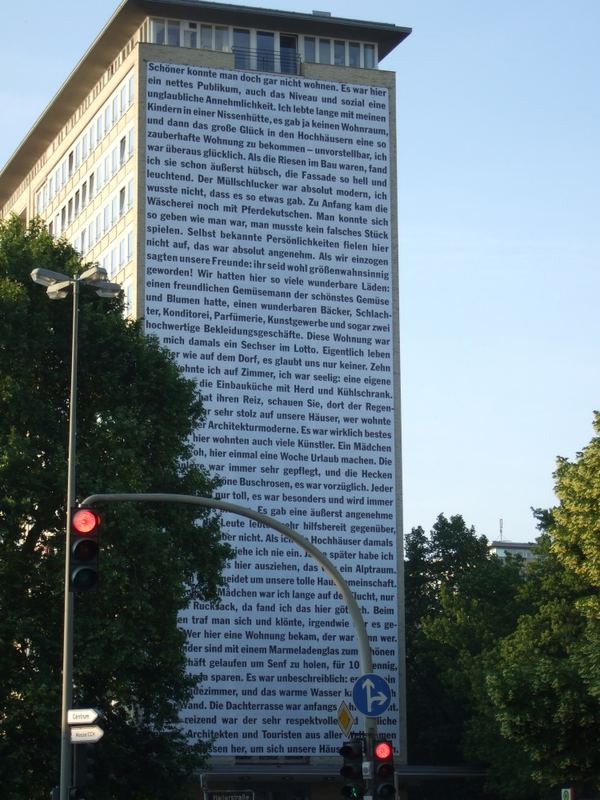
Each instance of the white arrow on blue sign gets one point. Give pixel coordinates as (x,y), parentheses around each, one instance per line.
(371,695)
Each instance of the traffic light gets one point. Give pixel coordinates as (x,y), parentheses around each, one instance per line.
(85,525)
(352,753)
(383,770)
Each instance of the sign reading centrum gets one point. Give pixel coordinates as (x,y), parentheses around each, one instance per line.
(269,274)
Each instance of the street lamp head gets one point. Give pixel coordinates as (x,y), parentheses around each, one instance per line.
(57,284)
(104,288)
(58,291)
(47,277)
(94,273)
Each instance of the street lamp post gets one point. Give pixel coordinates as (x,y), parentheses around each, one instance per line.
(57,288)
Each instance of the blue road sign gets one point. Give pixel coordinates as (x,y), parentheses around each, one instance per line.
(371,695)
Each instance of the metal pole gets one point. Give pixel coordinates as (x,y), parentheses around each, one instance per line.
(364,646)
(67,666)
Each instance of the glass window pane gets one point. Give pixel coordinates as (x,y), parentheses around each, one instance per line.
(324,51)
(221,38)
(206,37)
(265,47)
(241,48)
(354,54)
(369,56)
(158,31)
(339,53)
(190,37)
(173,33)
(310,51)
(288,53)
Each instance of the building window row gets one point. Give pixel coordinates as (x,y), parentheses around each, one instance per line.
(102,124)
(265,50)
(117,205)
(93,183)
(118,254)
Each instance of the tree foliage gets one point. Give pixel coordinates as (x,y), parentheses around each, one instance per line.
(461,601)
(545,685)
(135,416)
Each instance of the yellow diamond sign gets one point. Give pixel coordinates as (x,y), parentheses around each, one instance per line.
(345,718)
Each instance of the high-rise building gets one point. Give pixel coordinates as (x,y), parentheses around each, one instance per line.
(234,168)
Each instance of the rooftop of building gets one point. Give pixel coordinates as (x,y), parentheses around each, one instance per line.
(123,24)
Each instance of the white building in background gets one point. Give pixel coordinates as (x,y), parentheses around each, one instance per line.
(235,169)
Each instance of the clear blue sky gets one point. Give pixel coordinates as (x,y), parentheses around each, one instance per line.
(499,196)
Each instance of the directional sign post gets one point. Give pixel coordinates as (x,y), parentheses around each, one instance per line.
(86,734)
(371,695)
(82,716)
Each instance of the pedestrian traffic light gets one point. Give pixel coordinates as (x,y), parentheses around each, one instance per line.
(352,753)
(383,770)
(85,525)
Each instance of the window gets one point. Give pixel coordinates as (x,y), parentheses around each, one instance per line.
(190,35)
(84,194)
(158,31)
(221,38)
(91,180)
(241,48)
(369,56)
(354,54)
(173,33)
(122,150)
(310,50)
(122,202)
(265,47)
(339,53)
(288,53)
(206,32)
(324,51)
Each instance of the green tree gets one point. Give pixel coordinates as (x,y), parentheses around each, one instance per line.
(545,684)
(461,601)
(135,415)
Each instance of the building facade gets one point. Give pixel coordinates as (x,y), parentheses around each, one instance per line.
(234,169)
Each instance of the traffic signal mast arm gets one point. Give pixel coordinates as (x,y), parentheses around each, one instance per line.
(362,638)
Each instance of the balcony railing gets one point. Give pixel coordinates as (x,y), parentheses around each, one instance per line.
(287,61)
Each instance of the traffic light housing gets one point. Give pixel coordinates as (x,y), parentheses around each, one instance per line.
(351,770)
(383,770)
(84,543)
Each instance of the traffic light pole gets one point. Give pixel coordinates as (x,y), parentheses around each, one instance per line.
(67,666)
(362,638)
(58,286)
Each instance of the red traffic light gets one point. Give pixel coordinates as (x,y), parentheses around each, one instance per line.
(84,521)
(84,543)
(383,751)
